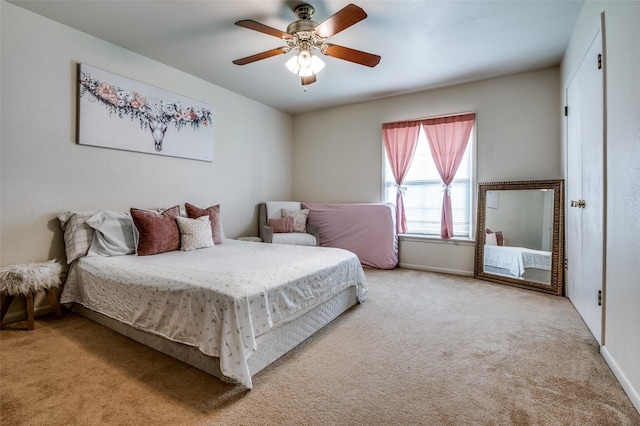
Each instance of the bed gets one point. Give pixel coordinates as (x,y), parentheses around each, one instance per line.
(516,259)
(229,309)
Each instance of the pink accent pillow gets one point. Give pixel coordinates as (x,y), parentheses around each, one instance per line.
(158,232)
(499,237)
(281,225)
(213,212)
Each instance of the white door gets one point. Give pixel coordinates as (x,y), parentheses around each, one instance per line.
(585,188)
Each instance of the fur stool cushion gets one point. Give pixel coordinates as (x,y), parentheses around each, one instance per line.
(29,278)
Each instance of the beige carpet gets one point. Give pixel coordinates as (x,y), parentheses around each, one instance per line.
(425,349)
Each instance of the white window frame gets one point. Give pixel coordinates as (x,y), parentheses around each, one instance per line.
(389,196)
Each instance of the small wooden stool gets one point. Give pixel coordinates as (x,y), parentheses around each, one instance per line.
(26,280)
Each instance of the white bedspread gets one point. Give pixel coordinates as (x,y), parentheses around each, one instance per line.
(218,299)
(516,259)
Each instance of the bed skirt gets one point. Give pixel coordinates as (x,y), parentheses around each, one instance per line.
(270,346)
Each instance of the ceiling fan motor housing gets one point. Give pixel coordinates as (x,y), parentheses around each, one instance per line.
(303,30)
(304,11)
(304,25)
(301,25)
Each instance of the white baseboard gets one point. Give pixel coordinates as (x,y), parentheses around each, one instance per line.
(433,269)
(632,393)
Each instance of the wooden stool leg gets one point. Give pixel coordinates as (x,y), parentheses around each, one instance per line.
(54,303)
(5,307)
(30,311)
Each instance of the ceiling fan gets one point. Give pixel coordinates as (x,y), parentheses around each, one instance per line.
(305,36)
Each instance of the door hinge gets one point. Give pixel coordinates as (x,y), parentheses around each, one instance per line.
(566,111)
(599,297)
(599,61)
(566,264)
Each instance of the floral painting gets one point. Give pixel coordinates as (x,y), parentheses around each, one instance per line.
(116,112)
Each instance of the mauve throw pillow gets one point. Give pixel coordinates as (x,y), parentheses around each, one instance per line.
(281,225)
(213,212)
(158,233)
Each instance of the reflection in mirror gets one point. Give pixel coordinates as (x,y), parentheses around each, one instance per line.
(523,219)
(519,234)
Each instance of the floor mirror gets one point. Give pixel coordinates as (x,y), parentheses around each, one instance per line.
(520,234)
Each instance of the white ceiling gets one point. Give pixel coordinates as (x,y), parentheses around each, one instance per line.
(423,44)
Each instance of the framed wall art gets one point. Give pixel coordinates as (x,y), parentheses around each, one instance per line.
(120,113)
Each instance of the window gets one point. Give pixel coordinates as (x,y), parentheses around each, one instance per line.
(424,187)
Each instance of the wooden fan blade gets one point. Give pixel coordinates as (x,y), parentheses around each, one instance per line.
(351,55)
(308,80)
(257,26)
(263,55)
(343,19)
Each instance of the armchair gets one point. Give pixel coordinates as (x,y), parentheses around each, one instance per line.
(273,210)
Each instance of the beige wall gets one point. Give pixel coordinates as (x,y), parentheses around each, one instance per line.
(338,153)
(622,115)
(44,172)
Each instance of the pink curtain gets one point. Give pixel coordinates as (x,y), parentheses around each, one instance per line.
(448,138)
(400,140)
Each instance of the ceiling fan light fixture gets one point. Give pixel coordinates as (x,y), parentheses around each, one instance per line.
(304,59)
(292,65)
(317,64)
(305,72)
(312,64)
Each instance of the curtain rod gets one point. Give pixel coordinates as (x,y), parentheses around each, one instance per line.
(434,116)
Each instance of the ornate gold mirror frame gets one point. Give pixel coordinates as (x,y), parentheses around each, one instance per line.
(520,234)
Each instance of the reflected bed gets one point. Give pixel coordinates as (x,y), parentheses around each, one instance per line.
(516,259)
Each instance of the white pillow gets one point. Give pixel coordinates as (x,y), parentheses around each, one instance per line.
(77,234)
(274,208)
(490,239)
(195,233)
(113,234)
